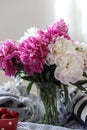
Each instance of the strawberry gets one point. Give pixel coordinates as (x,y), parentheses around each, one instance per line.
(13,114)
(5,116)
(3,110)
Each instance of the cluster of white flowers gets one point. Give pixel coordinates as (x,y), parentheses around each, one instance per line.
(70,59)
(30,32)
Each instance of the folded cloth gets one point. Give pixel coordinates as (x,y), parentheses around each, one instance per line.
(16,98)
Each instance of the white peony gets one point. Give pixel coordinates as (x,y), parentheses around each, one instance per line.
(81,49)
(61,46)
(30,32)
(69,68)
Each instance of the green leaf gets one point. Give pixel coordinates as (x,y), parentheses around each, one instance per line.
(81,82)
(85,74)
(28,78)
(79,86)
(66,93)
(29,87)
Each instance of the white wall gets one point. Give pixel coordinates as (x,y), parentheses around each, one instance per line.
(18,15)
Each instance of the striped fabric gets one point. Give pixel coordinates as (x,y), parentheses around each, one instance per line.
(80,110)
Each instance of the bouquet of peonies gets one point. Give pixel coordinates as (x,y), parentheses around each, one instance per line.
(48,56)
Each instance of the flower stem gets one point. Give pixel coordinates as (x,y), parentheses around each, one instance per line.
(49,98)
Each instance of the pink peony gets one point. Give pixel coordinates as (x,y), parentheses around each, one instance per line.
(51,34)
(33,53)
(9,56)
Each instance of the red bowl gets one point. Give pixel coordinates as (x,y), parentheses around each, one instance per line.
(8,124)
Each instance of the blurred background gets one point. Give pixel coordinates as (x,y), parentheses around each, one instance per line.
(16,16)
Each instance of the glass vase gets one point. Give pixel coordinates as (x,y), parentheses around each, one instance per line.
(49,94)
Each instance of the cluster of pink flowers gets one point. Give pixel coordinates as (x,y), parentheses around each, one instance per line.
(53,32)
(9,57)
(50,47)
(33,54)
